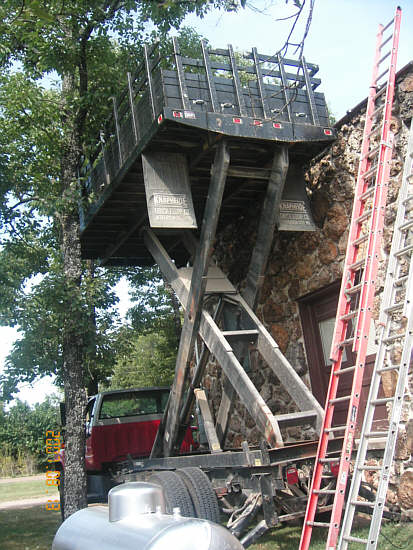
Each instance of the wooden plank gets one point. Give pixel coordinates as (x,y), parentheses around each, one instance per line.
(260,81)
(286,90)
(268,220)
(210,78)
(237,83)
(149,78)
(224,411)
(249,395)
(133,109)
(115,114)
(209,427)
(280,366)
(181,74)
(310,93)
(123,235)
(218,346)
(193,308)
(259,259)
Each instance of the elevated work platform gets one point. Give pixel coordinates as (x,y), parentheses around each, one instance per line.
(256,102)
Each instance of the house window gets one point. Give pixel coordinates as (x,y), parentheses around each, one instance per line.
(318,312)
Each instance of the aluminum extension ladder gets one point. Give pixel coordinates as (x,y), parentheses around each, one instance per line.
(395,337)
(358,283)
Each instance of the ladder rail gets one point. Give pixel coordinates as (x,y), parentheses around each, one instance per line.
(390,293)
(362,292)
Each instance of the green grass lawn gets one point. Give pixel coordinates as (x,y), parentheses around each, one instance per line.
(28,528)
(26,489)
(33,528)
(392,537)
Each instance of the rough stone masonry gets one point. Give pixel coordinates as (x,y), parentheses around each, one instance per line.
(302,263)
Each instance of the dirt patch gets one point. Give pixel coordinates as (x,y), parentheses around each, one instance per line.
(22,478)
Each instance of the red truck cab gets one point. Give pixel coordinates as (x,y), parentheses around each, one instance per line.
(121,424)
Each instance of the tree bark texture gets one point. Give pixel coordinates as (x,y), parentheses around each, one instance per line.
(74,322)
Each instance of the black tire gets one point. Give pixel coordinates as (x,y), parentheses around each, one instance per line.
(202,493)
(176,493)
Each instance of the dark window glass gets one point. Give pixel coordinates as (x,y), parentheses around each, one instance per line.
(133,404)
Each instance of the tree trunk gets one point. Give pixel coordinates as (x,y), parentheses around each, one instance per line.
(74,323)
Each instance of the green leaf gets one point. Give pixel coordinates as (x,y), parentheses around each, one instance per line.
(39,12)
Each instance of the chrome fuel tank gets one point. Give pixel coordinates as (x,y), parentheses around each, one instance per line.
(135,520)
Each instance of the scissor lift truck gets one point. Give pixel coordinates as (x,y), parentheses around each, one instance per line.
(191,145)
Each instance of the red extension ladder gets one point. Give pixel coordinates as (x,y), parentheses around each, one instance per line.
(358,283)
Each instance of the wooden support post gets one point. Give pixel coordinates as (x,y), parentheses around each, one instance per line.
(220,348)
(310,93)
(149,78)
(132,109)
(193,308)
(115,115)
(103,149)
(259,259)
(258,72)
(181,74)
(210,432)
(268,221)
(237,82)
(286,89)
(210,78)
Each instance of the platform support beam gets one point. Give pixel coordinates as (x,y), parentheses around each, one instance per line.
(193,308)
(259,259)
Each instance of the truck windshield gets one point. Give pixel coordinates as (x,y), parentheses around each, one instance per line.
(133,403)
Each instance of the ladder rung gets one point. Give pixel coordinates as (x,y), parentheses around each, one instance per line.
(376,434)
(400,281)
(379,109)
(354,289)
(356,539)
(349,315)
(393,338)
(240,334)
(394,307)
(324,492)
(346,342)
(385,56)
(339,399)
(372,468)
(375,130)
(328,460)
(387,369)
(384,29)
(406,225)
(361,239)
(380,93)
(344,371)
(364,216)
(367,193)
(371,153)
(318,524)
(381,400)
(362,503)
(335,429)
(370,171)
(404,251)
(357,265)
(382,74)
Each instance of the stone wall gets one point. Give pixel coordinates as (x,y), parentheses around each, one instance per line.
(301,263)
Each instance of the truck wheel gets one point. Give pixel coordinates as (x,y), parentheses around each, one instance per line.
(176,493)
(202,493)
